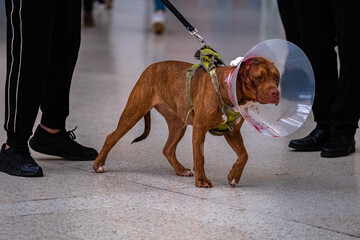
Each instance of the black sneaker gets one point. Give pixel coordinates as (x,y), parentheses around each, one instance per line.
(61,144)
(19,163)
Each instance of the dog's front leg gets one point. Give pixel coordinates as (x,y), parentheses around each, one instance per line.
(198,141)
(235,141)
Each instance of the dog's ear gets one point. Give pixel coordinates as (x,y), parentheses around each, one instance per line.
(245,67)
(247,64)
(244,72)
(244,83)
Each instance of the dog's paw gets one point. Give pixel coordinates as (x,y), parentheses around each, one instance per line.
(204,183)
(233,180)
(99,169)
(186,173)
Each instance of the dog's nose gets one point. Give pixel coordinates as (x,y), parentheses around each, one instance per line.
(274,96)
(274,93)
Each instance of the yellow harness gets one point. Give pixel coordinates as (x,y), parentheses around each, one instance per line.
(209,59)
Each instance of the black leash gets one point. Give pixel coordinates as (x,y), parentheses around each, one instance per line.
(209,60)
(193,31)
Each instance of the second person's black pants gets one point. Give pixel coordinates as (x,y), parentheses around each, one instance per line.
(43,40)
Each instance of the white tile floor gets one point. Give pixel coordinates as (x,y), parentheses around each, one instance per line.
(282,194)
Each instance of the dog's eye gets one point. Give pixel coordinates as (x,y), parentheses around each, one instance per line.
(259,78)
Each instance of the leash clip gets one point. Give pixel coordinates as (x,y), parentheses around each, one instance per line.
(199,38)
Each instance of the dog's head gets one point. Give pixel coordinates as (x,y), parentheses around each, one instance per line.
(258,81)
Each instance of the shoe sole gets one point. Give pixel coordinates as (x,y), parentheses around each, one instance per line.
(13,172)
(337,154)
(45,150)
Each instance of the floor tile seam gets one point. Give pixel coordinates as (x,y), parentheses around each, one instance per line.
(36,200)
(56,212)
(301,180)
(65,199)
(310,192)
(289,219)
(64,164)
(53,199)
(171,190)
(87,196)
(325,228)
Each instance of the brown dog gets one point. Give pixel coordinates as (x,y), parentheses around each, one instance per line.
(162,86)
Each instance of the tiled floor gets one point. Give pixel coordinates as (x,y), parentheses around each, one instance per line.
(282,194)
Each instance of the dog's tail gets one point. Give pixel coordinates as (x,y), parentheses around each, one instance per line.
(146,130)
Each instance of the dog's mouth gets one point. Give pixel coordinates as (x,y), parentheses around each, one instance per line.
(272,97)
(276,101)
(268,101)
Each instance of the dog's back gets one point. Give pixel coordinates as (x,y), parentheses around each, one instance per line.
(168,74)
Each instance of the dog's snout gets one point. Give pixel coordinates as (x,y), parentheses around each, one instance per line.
(274,96)
(274,93)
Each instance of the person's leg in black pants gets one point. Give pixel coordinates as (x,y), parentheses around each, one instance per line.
(42,51)
(324,24)
(63,57)
(29,40)
(293,16)
(318,42)
(50,136)
(345,111)
(28,52)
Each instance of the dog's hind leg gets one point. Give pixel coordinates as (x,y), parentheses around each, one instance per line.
(176,132)
(135,109)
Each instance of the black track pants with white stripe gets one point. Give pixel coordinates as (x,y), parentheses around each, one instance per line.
(43,40)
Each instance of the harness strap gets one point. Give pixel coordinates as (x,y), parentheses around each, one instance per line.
(215,82)
(209,59)
(190,73)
